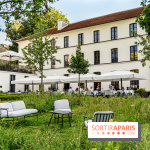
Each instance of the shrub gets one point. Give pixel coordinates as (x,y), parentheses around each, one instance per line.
(14,96)
(141,91)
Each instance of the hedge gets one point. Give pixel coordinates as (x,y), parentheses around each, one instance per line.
(12,96)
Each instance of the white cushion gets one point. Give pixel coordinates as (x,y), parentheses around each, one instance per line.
(62,110)
(86,122)
(61,104)
(5,105)
(19,113)
(18,105)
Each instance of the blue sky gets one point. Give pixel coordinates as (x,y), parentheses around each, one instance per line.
(77,10)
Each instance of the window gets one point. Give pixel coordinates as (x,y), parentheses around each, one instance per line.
(66,41)
(133,29)
(53,63)
(97,84)
(53,43)
(114,55)
(81,85)
(115,84)
(67,75)
(80,39)
(134,84)
(114,33)
(53,87)
(66,61)
(97,73)
(96,36)
(26,87)
(12,86)
(83,55)
(133,53)
(66,86)
(96,57)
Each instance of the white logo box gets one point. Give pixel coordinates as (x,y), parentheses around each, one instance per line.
(112,129)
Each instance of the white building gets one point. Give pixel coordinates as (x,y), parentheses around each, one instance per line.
(107,42)
(12,72)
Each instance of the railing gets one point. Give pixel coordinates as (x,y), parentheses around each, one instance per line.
(16,68)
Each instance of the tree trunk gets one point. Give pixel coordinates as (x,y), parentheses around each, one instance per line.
(42,86)
(79,83)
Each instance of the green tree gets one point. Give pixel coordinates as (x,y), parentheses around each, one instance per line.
(23,8)
(13,34)
(19,29)
(40,50)
(78,64)
(144,22)
(144,18)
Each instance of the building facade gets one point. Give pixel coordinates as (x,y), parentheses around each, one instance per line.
(10,72)
(107,42)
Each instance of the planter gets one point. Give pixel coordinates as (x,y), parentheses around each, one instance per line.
(145,94)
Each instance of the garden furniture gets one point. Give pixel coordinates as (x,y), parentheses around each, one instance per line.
(99,116)
(15,109)
(61,107)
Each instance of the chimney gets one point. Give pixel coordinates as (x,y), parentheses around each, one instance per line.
(7,46)
(62,24)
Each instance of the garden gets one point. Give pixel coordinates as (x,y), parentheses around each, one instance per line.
(31,134)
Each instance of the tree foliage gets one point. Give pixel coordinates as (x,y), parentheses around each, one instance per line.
(19,29)
(40,50)
(144,41)
(78,64)
(23,8)
(144,18)
(145,51)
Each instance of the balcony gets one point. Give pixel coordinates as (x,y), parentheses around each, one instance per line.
(15,68)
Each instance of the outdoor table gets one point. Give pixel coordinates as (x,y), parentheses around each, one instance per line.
(60,113)
(95,92)
(110,92)
(84,92)
(129,91)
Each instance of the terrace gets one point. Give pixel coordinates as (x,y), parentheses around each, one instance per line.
(4,66)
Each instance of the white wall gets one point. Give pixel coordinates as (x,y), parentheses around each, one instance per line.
(5,80)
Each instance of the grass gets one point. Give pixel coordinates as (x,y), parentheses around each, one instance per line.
(29,134)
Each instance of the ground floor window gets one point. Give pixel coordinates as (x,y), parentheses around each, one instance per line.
(26,88)
(66,86)
(115,84)
(97,84)
(53,87)
(134,84)
(12,86)
(81,85)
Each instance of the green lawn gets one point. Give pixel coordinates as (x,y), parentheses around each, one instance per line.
(32,135)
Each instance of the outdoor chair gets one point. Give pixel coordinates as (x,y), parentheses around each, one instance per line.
(61,108)
(99,116)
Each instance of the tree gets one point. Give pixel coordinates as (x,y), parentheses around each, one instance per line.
(40,50)
(19,29)
(78,64)
(23,8)
(144,22)
(144,18)
(12,34)
(145,42)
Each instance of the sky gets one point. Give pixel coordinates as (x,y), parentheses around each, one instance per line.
(78,10)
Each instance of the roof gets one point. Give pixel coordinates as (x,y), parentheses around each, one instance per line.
(96,21)
(3,48)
